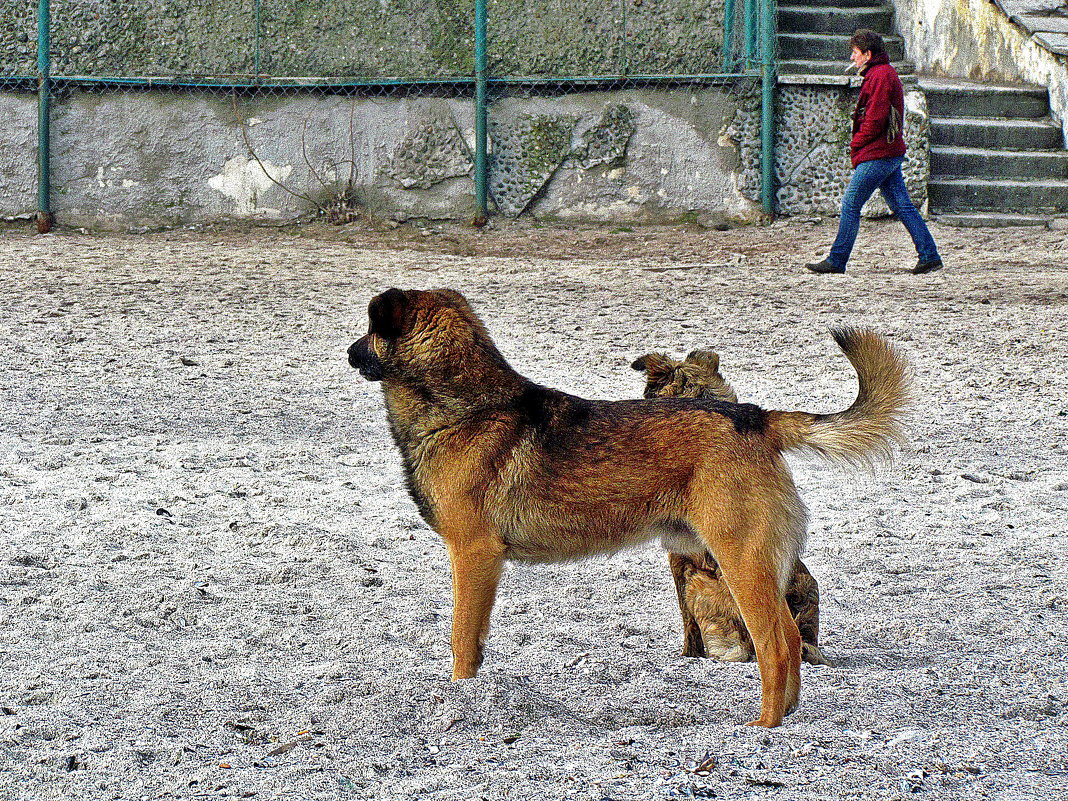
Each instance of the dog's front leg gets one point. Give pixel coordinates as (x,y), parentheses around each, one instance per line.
(477,564)
(693,643)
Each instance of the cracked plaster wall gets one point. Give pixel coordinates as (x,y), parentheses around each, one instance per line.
(648,156)
(153,159)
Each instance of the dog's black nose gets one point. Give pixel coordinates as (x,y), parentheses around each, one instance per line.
(363,359)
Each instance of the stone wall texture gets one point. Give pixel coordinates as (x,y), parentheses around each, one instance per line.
(813,129)
(325,38)
(150,158)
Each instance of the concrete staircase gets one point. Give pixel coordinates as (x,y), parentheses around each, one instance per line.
(814,36)
(996,156)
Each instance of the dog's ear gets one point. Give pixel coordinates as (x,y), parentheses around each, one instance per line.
(387,312)
(654,365)
(704,358)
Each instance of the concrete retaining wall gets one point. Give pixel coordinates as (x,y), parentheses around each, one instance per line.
(146,159)
(140,159)
(149,159)
(18,153)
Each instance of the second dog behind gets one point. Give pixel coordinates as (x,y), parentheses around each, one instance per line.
(712,624)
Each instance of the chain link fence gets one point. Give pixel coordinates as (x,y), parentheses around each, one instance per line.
(261,66)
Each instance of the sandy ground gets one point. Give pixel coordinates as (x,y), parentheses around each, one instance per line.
(213,584)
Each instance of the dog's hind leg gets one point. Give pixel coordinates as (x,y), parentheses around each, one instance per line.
(793,643)
(750,558)
(775,636)
(693,642)
(476,571)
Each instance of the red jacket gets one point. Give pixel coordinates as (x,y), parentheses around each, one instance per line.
(878,132)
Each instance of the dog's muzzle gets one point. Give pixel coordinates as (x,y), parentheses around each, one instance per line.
(363,359)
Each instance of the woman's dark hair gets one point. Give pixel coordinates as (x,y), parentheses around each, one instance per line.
(867,42)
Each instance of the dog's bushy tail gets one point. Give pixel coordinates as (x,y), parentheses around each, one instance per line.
(865,432)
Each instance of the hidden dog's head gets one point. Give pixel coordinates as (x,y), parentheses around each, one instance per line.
(696,376)
(422,334)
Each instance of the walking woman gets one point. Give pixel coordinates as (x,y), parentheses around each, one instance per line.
(877,151)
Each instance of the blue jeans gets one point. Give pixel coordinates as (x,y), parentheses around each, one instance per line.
(884,175)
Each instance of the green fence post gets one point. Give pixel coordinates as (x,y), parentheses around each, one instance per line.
(767,108)
(728,35)
(44,66)
(749,16)
(481,113)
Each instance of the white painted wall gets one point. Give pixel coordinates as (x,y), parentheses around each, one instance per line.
(975,39)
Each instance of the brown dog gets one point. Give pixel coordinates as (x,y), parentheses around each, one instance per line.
(712,625)
(503,468)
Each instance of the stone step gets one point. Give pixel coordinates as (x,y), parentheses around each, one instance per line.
(815,66)
(1002,195)
(829,47)
(996,219)
(968,99)
(834,19)
(996,134)
(964,161)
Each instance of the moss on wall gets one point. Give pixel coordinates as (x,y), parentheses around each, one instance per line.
(365,38)
(526,153)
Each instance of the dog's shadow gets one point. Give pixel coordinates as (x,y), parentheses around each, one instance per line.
(879,659)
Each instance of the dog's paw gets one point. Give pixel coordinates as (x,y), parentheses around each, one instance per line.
(813,655)
(728,650)
(767,723)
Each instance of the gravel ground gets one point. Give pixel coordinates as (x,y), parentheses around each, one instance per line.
(213,584)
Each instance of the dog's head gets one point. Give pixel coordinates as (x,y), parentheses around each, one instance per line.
(696,376)
(421,333)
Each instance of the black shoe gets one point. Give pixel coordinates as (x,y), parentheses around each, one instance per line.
(927,266)
(826,267)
